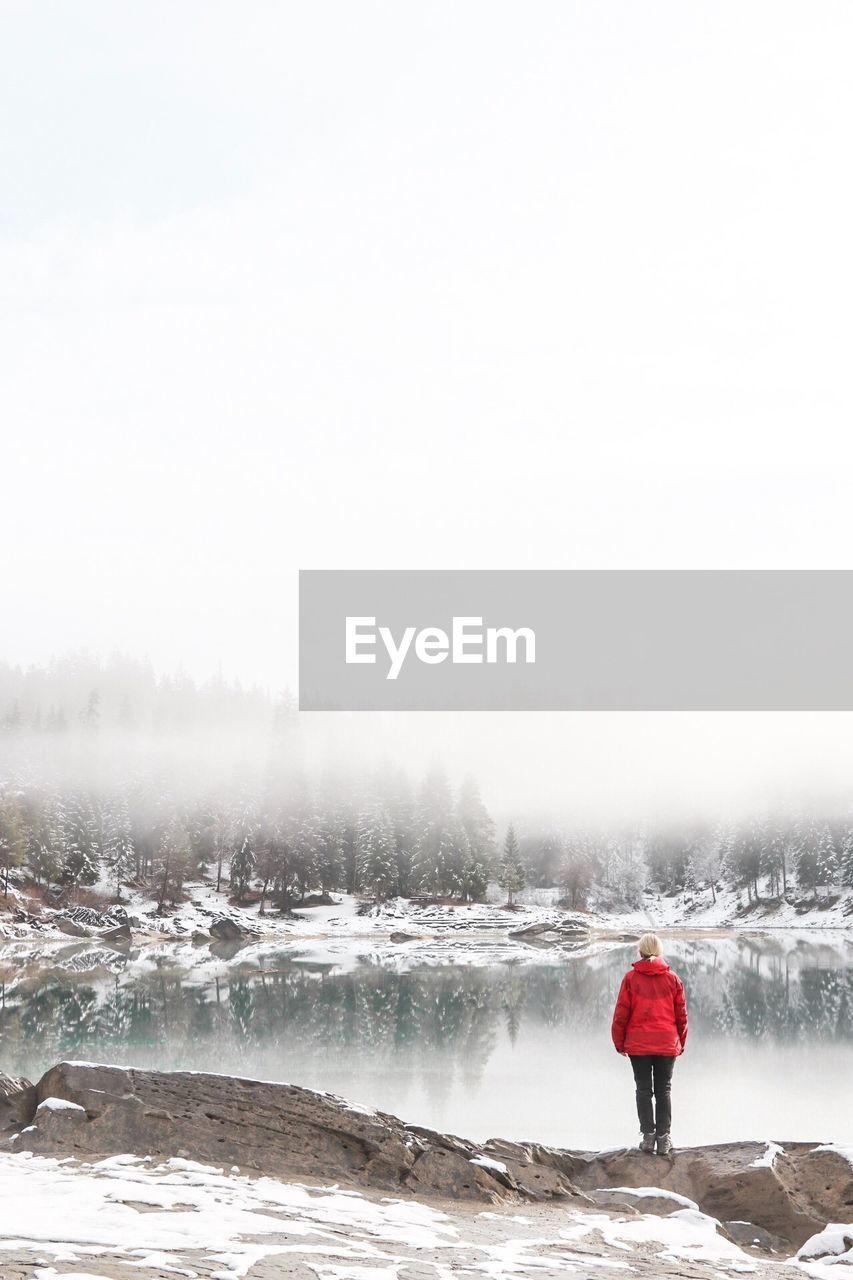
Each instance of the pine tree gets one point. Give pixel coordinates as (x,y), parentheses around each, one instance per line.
(119,853)
(807,838)
(243,854)
(511,875)
(12,839)
(402,813)
(845,858)
(826,857)
(441,847)
(691,877)
(475,876)
(376,853)
(78,841)
(330,843)
(90,716)
(174,855)
(479,830)
(574,872)
(271,856)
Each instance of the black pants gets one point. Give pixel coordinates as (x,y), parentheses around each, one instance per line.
(653,1075)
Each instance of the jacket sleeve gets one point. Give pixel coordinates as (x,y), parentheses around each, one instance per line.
(680,1010)
(621,1015)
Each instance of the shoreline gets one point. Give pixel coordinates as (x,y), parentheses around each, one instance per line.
(206,917)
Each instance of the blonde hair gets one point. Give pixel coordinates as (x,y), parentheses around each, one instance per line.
(650,945)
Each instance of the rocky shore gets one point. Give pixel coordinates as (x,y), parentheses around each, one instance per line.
(763,1200)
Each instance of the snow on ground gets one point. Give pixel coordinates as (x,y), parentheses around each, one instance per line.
(125,1216)
(685,1234)
(731,910)
(834,1243)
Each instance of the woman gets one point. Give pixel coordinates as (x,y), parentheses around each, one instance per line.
(650,1027)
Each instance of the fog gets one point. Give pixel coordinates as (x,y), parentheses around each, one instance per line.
(100,722)
(419,286)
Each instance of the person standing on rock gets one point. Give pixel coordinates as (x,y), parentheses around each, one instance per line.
(650,1027)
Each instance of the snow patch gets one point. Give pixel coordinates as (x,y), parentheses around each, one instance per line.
(658,1191)
(58,1104)
(836,1240)
(486,1163)
(768,1159)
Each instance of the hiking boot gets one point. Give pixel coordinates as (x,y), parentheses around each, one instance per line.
(664,1144)
(648,1143)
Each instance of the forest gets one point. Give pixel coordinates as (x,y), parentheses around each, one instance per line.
(81,806)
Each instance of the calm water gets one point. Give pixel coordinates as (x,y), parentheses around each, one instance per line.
(511,1049)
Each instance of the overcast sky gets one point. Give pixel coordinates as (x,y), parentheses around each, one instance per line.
(433,285)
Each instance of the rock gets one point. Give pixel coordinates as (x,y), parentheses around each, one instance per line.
(18,1102)
(200,937)
(276,1129)
(573,927)
(780,1195)
(447,1173)
(531,930)
(72,927)
(647,1200)
(791,1197)
(747,1233)
(399,936)
(120,935)
(226,930)
(58,1121)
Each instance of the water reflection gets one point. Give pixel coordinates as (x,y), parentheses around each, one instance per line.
(520,1049)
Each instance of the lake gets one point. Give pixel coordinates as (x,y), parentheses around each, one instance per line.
(517,1049)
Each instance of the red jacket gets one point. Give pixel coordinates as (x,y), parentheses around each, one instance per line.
(650,1015)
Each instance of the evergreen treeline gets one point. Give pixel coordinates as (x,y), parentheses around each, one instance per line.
(81,691)
(761,858)
(280,842)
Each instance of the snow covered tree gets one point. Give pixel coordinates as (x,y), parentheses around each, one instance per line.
(691,876)
(272,865)
(330,841)
(79,863)
(440,849)
(575,871)
(243,859)
(12,839)
(475,875)
(376,852)
(746,857)
(708,856)
(845,858)
(807,863)
(119,854)
(826,856)
(402,812)
(174,853)
(628,868)
(511,875)
(473,817)
(304,843)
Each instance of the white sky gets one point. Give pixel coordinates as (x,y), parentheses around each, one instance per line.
(375,285)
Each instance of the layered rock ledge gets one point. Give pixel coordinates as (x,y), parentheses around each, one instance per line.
(779,1194)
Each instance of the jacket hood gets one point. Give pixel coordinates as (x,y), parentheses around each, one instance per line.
(654,964)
